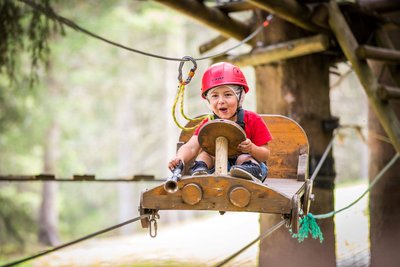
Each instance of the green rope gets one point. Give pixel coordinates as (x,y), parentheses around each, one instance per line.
(372,184)
(308,223)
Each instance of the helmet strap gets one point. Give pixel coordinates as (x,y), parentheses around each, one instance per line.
(240,96)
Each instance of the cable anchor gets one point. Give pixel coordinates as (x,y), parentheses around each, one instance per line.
(153,223)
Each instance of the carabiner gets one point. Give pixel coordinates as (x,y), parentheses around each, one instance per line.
(153,223)
(191,72)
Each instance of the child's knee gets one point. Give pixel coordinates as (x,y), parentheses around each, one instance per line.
(205,157)
(245,157)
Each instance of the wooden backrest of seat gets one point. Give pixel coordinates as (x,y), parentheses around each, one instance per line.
(289,147)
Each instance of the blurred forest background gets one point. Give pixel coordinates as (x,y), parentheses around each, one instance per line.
(97,109)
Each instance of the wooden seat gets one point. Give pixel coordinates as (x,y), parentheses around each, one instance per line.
(286,190)
(289,148)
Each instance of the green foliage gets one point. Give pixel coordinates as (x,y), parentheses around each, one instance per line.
(109,105)
(83,213)
(17,223)
(23,29)
(24,38)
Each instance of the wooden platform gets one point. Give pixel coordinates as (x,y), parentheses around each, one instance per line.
(286,187)
(274,197)
(287,191)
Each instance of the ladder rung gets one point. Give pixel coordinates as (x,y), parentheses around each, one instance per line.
(378,53)
(388,92)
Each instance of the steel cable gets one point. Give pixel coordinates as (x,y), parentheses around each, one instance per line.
(13,263)
(260,237)
(52,15)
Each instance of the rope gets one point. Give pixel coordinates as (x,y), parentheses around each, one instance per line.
(330,145)
(180,96)
(74,242)
(371,185)
(52,15)
(374,181)
(341,79)
(308,223)
(323,158)
(260,237)
(47,11)
(181,93)
(327,150)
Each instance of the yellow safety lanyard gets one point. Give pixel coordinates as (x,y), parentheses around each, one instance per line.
(180,96)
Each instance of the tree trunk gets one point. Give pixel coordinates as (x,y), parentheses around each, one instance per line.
(48,213)
(127,201)
(384,197)
(299,88)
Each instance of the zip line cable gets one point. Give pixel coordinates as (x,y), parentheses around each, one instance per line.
(74,241)
(52,15)
(260,237)
(308,220)
(49,12)
(322,160)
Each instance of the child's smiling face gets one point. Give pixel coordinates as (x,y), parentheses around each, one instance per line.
(223,102)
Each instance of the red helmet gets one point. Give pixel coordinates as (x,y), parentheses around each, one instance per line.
(222,73)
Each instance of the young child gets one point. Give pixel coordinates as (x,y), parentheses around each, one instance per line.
(224,87)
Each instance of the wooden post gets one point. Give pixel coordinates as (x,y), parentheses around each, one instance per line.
(384,197)
(349,44)
(379,5)
(388,92)
(221,156)
(212,43)
(289,10)
(283,51)
(378,53)
(299,88)
(209,16)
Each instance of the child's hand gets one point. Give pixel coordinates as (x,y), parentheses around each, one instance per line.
(174,163)
(246,146)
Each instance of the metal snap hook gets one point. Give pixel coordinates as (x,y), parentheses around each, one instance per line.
(153,223)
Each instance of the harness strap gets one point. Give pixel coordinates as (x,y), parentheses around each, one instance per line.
(240,118)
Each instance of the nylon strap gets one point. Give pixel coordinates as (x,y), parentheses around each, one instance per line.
(240,118)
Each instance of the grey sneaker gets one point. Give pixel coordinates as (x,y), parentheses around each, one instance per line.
(199,168)
(248,170)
